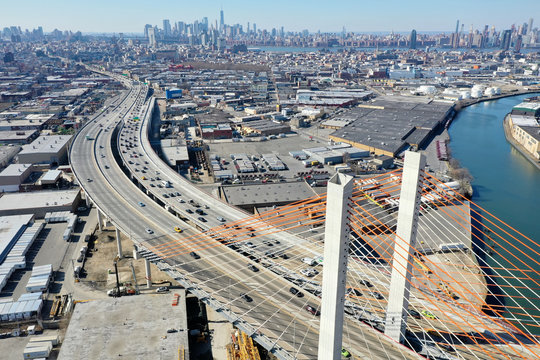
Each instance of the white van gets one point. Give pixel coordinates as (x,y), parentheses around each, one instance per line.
(309,261)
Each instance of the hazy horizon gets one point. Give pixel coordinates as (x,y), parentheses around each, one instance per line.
(359,17)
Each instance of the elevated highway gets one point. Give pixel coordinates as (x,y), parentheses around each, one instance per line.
(123,182)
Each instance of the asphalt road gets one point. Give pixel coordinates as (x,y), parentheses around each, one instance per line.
(274,311)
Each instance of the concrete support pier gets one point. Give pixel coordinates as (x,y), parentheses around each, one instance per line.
(407,224)
(118,243)
(100,220)
(336,253)
(148,274)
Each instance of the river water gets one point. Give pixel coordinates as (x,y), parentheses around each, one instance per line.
(508,186)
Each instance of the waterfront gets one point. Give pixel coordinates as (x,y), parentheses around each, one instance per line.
(505,183)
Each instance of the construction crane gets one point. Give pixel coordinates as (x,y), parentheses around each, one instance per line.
(242,348)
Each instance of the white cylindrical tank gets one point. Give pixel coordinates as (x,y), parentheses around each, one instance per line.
(489,91)
(476,93)
(427,89)
(465,94)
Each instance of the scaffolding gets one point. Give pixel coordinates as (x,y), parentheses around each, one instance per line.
(242,348)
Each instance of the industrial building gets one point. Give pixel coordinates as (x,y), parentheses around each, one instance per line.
(17,136)
(176,155)
(134,328)
(264,128)
(249,197)
(13,176)
(51,149)
(7,153)
(392,125)
(525,126)
(39,202)
(216,131)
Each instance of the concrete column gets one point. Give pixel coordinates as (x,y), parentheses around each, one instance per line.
(407,222)
(87,199)
(148,274)
(118,243)
(336,253)
(99,220)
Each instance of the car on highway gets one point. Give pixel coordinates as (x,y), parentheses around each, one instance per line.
(253,268)
(354,292)
(149,231)
(106,166)
(181,201)
(296,292)
(177,194)
(376,295)
(345,353)
(200,212)
(189,211)
(201,219)
(415,314)
(246,297)
(162,289)
(177,229)
(249,244)
(165,195)
(312,310)
(365,283)
(428,314)
(194,255)
(309,272)
(141,204)
(221,219)
(89,180)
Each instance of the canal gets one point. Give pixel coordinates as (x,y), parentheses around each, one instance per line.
(507,185)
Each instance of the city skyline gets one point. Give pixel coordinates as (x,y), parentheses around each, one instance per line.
(120,17)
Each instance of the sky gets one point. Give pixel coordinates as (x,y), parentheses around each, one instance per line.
(115,16)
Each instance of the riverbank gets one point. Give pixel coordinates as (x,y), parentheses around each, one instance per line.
(461,104)
(516,145)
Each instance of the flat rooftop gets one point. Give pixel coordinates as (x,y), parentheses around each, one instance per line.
(130,327)
(15,169)
(46,144)
(37,199)
(267,193)
(390,124)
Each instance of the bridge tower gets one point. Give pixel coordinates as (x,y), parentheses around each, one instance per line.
(336,253)
(409,203)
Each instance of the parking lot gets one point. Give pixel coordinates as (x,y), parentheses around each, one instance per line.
(280,147)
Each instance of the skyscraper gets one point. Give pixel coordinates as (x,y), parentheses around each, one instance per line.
(529,27)
(412,40)
(166,27)
(221,21)
(506,38)
(455,38)
(152,37)
(519,41)
(146,27)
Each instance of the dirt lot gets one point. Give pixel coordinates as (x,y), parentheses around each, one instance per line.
(101,254)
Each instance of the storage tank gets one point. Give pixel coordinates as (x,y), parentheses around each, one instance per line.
(427,89)
(465,94)
(489,91)
(476,93)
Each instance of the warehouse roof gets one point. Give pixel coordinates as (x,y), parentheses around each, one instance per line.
(46,144)
(37,199)
(15,169)
(393,126)
(267,193)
